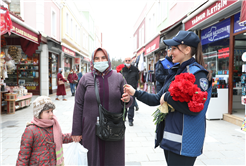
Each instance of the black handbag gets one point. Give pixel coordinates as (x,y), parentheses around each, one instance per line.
(111,126)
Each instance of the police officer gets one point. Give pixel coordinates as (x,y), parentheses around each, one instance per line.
(184,131)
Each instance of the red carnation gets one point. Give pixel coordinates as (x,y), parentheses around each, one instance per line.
(183,89)
(120,67)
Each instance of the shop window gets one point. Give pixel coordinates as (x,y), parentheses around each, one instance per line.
(67,23)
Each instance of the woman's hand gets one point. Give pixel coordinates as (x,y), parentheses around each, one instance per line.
(77,138)
(125,97)
(129,89)
(162,99)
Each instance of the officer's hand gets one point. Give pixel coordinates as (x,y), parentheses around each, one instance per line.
(162,99)
(129,89)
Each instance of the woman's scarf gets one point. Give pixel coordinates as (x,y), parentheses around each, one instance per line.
(92,62)
(57,132)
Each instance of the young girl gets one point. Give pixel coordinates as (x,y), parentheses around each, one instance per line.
(184,130)
(41,142)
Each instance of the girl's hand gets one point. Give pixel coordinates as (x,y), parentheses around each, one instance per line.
(77,138)
(125,97)
(129,89)
(162,99)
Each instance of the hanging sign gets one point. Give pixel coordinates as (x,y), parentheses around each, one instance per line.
(216,32)
(6,23)
(76,61)
(223,53)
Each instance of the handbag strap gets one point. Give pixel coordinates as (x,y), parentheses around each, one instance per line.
(96,91)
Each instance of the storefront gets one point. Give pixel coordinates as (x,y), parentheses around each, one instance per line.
(55,51)
(22,47)
(140,63)
(85,65)
(150,55)
(223,40)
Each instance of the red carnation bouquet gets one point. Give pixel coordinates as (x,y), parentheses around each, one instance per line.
(120,67)
(183,89)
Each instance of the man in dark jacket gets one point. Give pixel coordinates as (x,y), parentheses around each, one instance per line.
(131,75)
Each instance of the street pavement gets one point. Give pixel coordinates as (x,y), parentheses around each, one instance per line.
(224,142)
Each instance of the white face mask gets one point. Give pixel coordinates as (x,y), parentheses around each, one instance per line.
(127,65)
(101,66)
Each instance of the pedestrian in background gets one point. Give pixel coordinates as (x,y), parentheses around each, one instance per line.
(131,75)
(61,90)
(73,80)
(110,87)
(79,74)
(41,142)
(184,130)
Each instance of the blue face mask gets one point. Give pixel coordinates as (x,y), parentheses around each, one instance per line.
(101,66)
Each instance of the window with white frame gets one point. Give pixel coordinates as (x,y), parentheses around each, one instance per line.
(79,37)
(53,23)
(172,3)
(139,38)
(153,25)
(71,28)
(163,10)
(143,34)
(84,40)
(76,33)
(67,23)
(149,29)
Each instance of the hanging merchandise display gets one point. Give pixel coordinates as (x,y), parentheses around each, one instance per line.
(243,85)
(6,23)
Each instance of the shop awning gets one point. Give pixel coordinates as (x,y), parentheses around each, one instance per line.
(243,12)
(140,51)
(68,50)
(212,9)
(152,46)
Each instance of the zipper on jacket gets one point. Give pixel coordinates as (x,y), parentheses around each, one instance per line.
(103,91)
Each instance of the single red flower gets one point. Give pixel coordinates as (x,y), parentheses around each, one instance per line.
(120,67)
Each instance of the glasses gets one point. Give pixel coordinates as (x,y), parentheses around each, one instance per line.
(128,60)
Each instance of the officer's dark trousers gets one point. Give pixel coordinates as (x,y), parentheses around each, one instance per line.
(174,159)
(131,110)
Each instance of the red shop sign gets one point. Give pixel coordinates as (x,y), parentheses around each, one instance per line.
(243,12)
(76,61)
(87,59)
(25,33)
(68,51)
(140,51)
(216,7)
(152,46)
(223,53)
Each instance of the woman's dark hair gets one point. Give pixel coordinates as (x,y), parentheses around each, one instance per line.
(197,52)
(198,56)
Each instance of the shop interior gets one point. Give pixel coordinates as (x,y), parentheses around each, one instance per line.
(216,57)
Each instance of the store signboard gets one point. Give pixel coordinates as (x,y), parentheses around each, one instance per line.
(68,51)
(216,32)
(140,51)
(152,46)
(77,61)
(87,59)
(213,9)
(238,26)
(25,33)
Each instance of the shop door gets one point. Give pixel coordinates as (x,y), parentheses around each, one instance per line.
(239,49)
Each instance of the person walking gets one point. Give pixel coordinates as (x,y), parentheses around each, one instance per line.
(184,130)
(79,74)
(131,74)
(61,90)
(41,142)
(73,80)
(110,87)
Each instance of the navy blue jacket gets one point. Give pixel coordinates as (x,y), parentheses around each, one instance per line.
(176,138)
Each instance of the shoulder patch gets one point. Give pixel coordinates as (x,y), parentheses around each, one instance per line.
(204,83)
